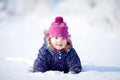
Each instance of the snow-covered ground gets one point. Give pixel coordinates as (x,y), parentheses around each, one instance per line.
(95,32)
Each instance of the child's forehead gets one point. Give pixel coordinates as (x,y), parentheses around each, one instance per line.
(57,37)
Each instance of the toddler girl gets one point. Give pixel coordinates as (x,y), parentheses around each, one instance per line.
(57,52)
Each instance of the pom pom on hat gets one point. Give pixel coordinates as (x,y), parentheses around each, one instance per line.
(59,19)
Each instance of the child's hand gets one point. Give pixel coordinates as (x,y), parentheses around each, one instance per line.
(76,71)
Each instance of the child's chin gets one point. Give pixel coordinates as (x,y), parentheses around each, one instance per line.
(59,48)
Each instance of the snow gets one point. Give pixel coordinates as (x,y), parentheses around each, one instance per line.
(95,32)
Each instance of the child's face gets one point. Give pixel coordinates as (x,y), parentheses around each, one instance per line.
(58,42)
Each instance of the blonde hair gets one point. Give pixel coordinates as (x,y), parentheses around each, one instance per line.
(46,32)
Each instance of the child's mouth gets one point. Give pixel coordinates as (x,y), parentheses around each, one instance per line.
(59,44)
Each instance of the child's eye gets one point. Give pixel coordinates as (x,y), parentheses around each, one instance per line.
(56,37)
(63,38)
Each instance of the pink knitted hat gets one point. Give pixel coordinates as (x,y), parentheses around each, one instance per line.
(58,28)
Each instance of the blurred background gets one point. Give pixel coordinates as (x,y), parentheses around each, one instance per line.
(93,24)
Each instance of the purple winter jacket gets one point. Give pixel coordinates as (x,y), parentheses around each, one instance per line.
(57,60)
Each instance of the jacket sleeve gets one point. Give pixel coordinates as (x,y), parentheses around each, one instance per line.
(73,62)
(40,64)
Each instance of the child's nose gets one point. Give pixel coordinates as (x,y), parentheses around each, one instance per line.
(59,40)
